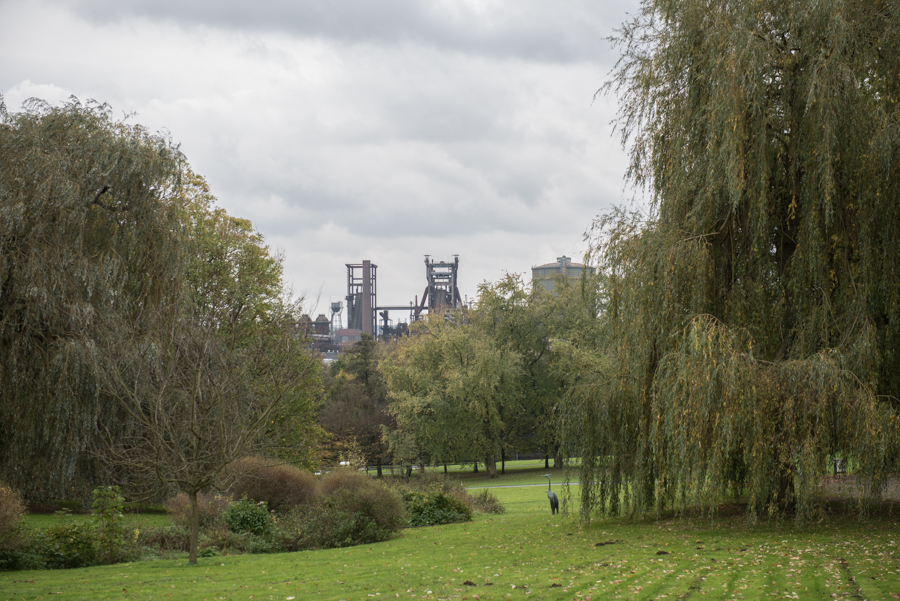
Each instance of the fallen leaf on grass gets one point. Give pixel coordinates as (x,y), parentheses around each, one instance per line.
(468,583)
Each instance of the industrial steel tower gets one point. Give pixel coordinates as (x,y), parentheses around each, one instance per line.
(442,291)
(361,293)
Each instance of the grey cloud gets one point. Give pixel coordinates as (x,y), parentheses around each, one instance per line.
(543,30)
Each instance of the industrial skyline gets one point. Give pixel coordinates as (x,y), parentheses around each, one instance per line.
(357,129)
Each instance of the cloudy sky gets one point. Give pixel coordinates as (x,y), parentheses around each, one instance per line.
(358,129)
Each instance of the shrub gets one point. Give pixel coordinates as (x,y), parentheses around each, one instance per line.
(247,515)
(108,517)
(174,537)
(457,490)
(353,509)
(68,545)
(22,558)
(280,486)
(433,499)
(326,526)
(344,478)
(358,493)
(485,502)
(220,540)
(12,508)
(211,508)
(432,506)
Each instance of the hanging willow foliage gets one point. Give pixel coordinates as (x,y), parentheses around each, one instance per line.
(87,234)
(753,318)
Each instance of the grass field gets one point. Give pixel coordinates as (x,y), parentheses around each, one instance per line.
(527,553)
(132,520)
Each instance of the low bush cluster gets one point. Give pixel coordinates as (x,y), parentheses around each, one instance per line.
(344,508)
(432,499)
(352,509)
(174,537)
(432,506)
(75,544)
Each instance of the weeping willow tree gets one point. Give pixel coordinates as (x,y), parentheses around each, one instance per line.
(88,233)
(752,319)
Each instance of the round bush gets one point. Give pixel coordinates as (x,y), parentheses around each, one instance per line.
(281,486)
(344,479)
(430,507)
(357,492)
(247,515)
(352,509)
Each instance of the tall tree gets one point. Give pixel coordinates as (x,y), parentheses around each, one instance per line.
(222,375)
(354,411)
(753,317)
(88,231)
(525,321)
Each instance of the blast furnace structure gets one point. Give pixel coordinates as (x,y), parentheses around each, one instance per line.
(361,296)
(441,293)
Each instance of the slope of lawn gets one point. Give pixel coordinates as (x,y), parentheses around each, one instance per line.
(527,553)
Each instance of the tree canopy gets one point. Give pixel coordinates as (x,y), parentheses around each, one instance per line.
(88,232)
(454,393)
(136,317)
(354,411)
(751,319)
(478,384)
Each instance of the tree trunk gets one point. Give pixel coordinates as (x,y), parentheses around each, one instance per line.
(445,467)
(409,471)
(546,461)
(378,466)
(557,460)
(475,470)
(195,526)
(503,460)
(491,465)
(784,495)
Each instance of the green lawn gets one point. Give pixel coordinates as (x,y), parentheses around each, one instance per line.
(134,520)
(527,553)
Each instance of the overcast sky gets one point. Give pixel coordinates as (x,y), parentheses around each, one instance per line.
(358,129)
